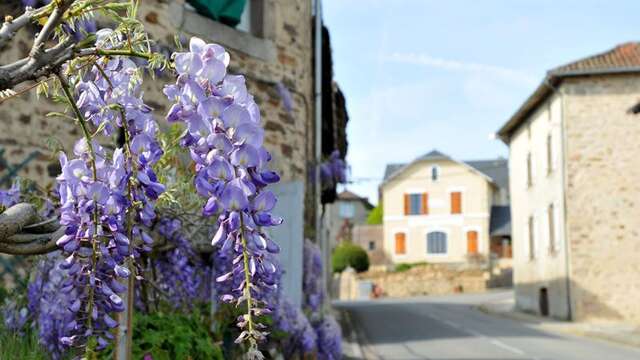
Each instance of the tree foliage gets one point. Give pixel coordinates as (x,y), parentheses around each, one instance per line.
(349,254)
(375,215)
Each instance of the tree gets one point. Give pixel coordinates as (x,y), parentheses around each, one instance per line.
(348,254)
(375,216)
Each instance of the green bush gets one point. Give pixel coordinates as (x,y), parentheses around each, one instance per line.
(172,336)
(406,266)
(375,216)
(348,254)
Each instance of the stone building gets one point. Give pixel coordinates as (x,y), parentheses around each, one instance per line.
(371,238)
(343,214)
(440,210)
(270,43)
(575,183)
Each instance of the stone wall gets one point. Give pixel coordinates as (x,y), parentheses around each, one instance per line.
(432,279)
(280,55)
(603,196)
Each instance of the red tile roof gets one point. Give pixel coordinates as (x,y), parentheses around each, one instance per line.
(623,56)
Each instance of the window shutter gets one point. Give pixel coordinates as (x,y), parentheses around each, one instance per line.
(400,239)
(546,163)
(456,202)
(425,203)
(407,203)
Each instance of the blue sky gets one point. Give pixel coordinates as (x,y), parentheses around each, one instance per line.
(423,74)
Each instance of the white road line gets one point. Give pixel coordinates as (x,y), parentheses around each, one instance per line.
(495,342)
(507,347)
(452,324)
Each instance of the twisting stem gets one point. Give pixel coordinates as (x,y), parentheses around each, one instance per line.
(92,160)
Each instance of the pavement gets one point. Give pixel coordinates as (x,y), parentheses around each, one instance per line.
(461,327)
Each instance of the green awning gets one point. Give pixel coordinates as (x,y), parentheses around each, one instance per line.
(225,11)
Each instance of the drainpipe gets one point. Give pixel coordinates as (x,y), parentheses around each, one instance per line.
(318,141)
(563,148)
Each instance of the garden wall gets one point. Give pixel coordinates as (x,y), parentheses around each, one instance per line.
(432,279)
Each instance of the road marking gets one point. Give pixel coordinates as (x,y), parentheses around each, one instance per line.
(452,324)
(507,347)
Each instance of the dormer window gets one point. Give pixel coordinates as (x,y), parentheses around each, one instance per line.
(435,173)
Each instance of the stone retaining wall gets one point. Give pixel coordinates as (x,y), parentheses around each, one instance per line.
(432,279)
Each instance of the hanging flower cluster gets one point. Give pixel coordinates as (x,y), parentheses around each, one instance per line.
(333,171)
(312,275)
(182,275)
(98,194)
(11,196)
(329,335)
(93,196)
(225,140)
(300,335)
(329,338)
(51,312)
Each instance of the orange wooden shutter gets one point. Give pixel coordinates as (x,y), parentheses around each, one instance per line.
(456,202)
(400,243)
(406,204)
(425,203)
(472,242)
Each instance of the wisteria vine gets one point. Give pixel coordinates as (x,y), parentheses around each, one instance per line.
(225,141)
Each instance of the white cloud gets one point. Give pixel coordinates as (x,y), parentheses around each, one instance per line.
(454,65)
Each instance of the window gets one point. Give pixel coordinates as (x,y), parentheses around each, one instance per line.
(416,204)
(472,242)
(436,242)
(435,173)
(529,170)
(456,202)
(549,155)
(532,248)
(347,210)
(400,244)
(552,229)
(372,245)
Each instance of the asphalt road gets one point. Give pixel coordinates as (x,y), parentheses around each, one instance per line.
(451,328)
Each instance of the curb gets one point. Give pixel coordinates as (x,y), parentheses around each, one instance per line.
(355,339)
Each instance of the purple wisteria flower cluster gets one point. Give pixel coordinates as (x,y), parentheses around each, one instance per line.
(311,281)
(329,335)
(329,338)
(50,311)
(11,196)
(300,335)
(99,194)
(182,274)
(225,141)
(333,171)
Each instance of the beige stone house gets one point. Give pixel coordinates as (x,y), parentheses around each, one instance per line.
(437,209)
(574,162)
